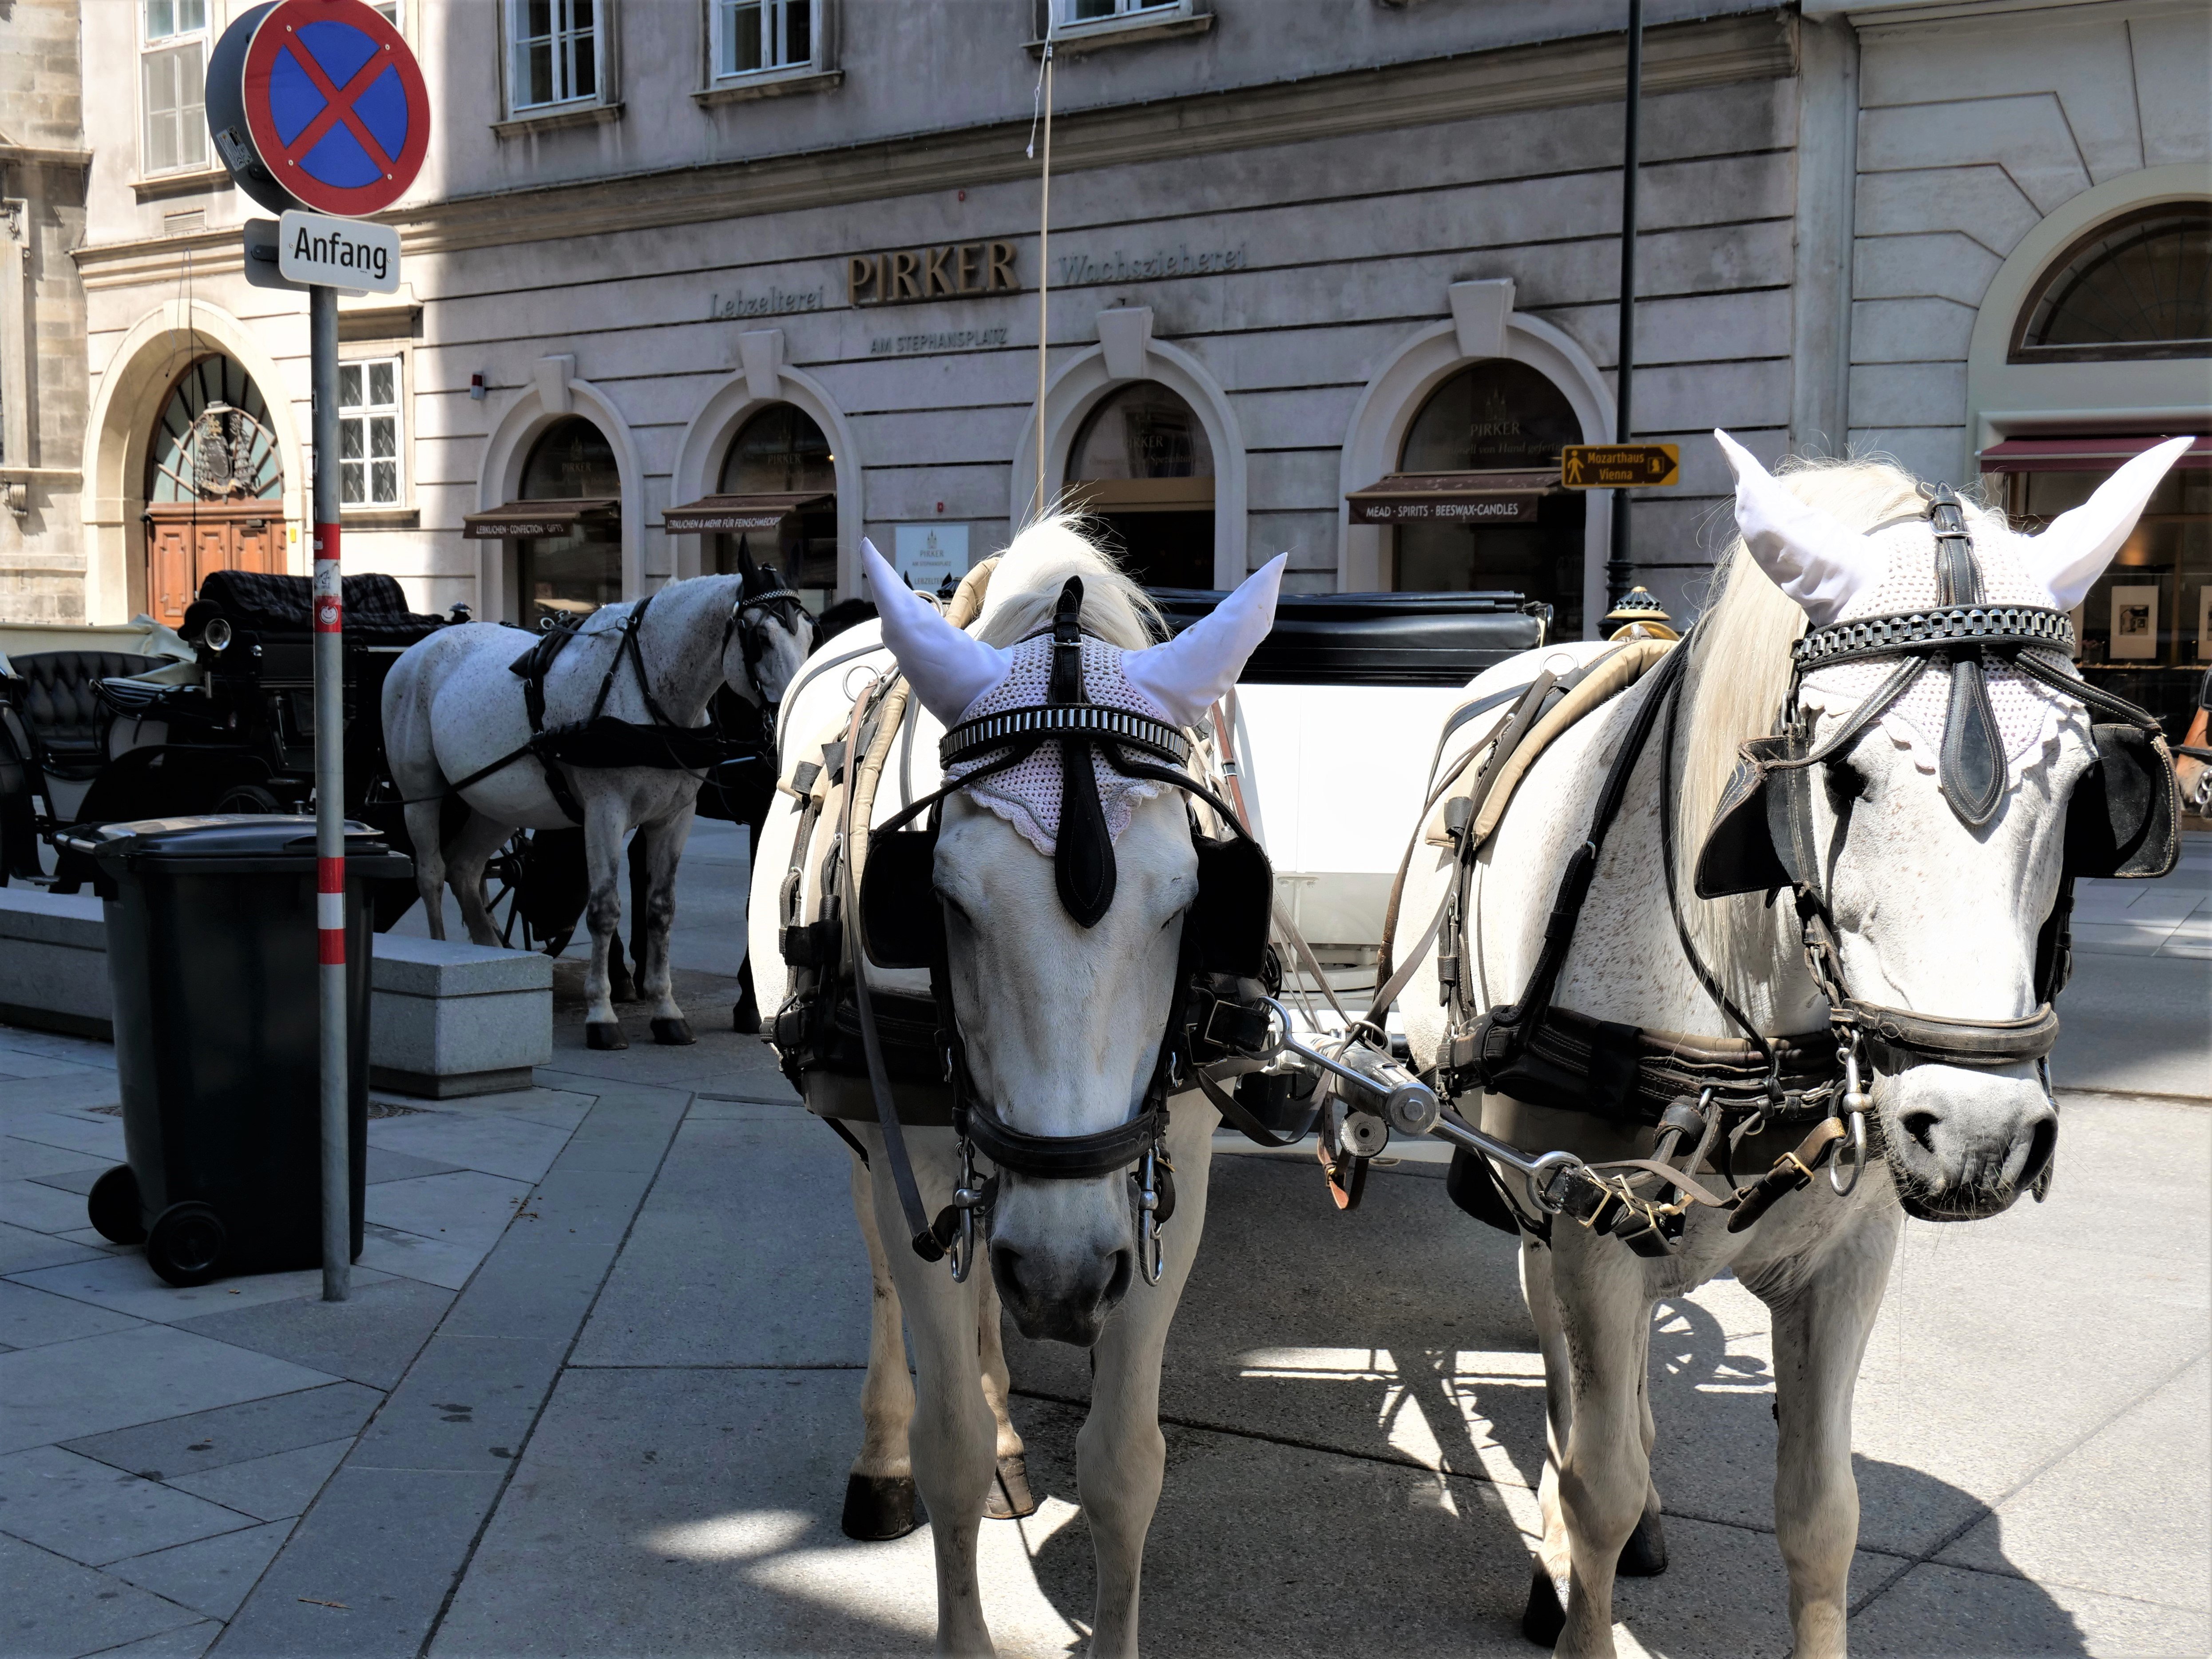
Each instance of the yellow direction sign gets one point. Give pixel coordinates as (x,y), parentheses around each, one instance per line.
(1615,466)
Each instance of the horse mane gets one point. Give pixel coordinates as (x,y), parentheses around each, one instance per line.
(1036,565)
(1738,674)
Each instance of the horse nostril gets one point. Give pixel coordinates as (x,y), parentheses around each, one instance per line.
(1921,1125)
(1006,1267)
(1117,1282)
(2042,1142)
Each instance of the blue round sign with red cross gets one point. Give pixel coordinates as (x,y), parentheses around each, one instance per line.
(325,96)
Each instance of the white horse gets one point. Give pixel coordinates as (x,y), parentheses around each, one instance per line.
(1931,913)
(456,720)
(1062,1026)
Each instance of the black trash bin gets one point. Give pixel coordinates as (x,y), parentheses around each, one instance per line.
(213,956)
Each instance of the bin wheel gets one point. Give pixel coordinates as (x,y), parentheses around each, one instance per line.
(186,1243)
(113,1207)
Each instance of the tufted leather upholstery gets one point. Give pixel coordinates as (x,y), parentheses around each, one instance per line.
(56,698)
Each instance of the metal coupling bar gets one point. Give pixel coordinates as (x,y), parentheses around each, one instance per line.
(1377,1082)
(1539,1171)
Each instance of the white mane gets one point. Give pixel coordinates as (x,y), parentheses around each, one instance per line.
(1036,565)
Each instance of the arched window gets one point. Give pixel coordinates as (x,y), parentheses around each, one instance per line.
(1143,467)
(2134,288)
(575,573)
(1505,418)
(781,451)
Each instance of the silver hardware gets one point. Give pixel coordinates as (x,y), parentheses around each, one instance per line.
(1857,1104)
(1363,1134)
(968,1198)
(1151,1260)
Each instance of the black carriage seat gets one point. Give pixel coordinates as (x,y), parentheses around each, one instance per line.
(56,695)
(1375,639)
(264,603)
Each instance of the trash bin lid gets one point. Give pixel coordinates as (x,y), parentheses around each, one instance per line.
(234,842)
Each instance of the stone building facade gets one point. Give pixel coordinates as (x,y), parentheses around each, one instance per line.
(775,267)
(43,369)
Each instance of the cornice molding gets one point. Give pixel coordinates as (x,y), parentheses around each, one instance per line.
(1680,58)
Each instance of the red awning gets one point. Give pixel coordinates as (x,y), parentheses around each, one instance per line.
(592,515)
(1466,498)
(2099,454)
(741,513)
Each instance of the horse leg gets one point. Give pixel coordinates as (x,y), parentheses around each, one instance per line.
(656,980)
(1120,1455)
(745,1017)
(622,986)
(880,1493)
(1821,1321)
(603,855)
(950,1436)
(1605,1475)
(1009,1497)
(422,828)
(480,837)
(1645,1554)
(1546,1614)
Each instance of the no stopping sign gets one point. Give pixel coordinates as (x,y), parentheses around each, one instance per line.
(317,104)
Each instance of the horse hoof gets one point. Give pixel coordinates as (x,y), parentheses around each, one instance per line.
(879,1507)
(672,1033)
(1545,1618)
(745,1019)
(605,1033)
(1645,1554)
(1009,1499)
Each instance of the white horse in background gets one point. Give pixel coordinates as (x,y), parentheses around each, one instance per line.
(452,711)
(1931,915)
(1062,1025)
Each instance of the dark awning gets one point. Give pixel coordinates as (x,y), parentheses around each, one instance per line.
(764,512)
(557,518)
(2099,454)
(1451,497)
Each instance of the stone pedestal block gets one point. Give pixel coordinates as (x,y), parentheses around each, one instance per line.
(455,1019)
(53,961)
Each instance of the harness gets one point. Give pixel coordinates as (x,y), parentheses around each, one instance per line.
(1218,1016)
(1706,1094)
(599,741)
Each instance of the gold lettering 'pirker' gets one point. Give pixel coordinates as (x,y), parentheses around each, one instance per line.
(948,271)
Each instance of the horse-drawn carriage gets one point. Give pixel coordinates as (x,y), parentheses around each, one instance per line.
(108,725)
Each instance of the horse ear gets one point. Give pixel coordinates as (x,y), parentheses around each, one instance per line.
(745,557)
(1185,674)
(948,667)
(2070,556)
(1809,557)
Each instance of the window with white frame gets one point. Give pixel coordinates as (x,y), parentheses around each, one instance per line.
(369,430)
(1079,14)
(759,37)
(555,50)
(172,79)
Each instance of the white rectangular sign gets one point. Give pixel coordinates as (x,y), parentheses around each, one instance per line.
(321,250)
(926,554)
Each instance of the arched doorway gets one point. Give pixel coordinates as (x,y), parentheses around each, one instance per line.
(781,452)
(577,570)
(215,485)
(2131,294)
(1142,466)
(1505,420)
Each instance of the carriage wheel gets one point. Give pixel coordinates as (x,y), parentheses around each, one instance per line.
(503,879)
(248,798)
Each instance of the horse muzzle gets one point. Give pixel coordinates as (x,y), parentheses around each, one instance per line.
(1062,1256)
(1962,1146)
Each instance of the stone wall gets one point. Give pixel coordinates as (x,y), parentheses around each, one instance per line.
(42,316)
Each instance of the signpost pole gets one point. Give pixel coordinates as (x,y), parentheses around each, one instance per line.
(330,798)
(1617,569)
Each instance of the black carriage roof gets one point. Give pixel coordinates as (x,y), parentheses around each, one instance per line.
(1375,639)
(270,604)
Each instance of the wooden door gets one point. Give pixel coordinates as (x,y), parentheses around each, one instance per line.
(170,577)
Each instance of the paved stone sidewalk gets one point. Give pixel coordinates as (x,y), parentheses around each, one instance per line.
(598,1391)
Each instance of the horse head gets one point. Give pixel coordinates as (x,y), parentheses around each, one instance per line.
(1932,843)
(1063,1003)
(769,636)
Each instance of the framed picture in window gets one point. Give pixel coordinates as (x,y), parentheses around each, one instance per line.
(2135,622)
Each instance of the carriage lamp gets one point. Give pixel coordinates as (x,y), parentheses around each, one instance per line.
(216,634)
(1640,616)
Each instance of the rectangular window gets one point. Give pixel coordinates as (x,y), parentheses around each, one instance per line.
(368,432)
(555,47)
(753,37)
(172,76)
(1071,13)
